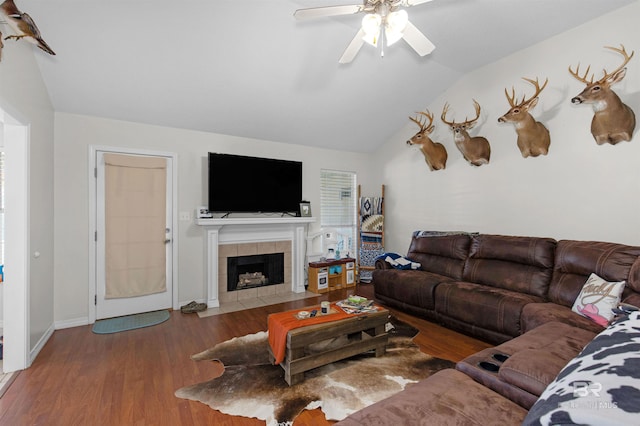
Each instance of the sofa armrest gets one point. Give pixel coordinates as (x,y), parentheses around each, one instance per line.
(382,264)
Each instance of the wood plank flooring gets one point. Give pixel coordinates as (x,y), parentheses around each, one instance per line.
(81,378)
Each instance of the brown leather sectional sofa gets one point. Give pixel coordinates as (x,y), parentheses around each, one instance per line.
(514,291)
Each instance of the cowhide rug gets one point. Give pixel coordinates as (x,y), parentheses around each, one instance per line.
(251,387)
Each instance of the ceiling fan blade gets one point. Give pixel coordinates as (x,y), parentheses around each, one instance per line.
(421,44)
(408,3)
(353,48)
(317,12)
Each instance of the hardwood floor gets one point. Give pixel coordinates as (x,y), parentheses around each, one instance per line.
(82,378)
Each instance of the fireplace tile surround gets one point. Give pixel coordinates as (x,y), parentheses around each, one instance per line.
(248,249)
(248,236)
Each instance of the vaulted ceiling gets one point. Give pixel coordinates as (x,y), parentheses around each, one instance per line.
(248,68)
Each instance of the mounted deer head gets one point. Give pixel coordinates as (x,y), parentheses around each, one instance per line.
(533,137)
(476,150)
(612,121)
(434,153)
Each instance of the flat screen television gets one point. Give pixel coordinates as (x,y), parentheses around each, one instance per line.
(242,184)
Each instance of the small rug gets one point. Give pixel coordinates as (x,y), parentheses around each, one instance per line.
(130,322)
(251,387)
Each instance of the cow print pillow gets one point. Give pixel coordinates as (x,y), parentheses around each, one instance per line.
(600,386)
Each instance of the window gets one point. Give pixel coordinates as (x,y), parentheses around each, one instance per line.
(338,207)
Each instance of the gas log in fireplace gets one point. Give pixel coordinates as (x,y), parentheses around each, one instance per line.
(255,271)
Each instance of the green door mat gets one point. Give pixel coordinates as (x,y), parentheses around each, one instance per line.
(130,322)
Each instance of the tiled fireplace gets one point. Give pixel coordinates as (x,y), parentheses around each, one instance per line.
(252,236)
(252,255)
(255,270)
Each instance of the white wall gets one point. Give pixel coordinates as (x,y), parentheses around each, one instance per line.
(75,133)
(580,190)
(1,285)
(24,97)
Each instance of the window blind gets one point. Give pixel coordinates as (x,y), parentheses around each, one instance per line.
(338,205)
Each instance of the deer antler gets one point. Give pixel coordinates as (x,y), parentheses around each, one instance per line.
(429,115)
(512,98)
(577,76)
(445,110)
(627,58)
(422,123)
(476,105)
(419,122)
(464,123)
(606,75)
(537,85)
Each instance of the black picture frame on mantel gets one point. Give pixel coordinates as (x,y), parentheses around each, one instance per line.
(305,209)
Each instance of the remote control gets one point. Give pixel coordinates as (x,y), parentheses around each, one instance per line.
(314,312)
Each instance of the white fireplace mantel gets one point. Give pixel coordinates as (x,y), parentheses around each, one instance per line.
(253,229)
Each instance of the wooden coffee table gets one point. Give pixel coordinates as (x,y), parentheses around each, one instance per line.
(364,332)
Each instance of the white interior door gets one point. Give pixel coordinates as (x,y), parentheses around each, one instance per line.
(133,233)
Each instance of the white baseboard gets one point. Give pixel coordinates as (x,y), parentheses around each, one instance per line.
(38,347)
(76,322)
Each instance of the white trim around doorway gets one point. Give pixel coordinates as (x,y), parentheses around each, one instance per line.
(93,219)
(16,350)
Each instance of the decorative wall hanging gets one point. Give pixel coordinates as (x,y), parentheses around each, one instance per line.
(613,121)
(476,150)
(370,233)
(434,153)
(533,136)
(22,25)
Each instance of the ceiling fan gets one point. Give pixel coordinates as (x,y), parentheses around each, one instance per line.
(380,14)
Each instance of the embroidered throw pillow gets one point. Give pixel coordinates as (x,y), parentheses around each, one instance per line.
(597,298)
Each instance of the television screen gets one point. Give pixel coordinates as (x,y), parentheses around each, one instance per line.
(253,185)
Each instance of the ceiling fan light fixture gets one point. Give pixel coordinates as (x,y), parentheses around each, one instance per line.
(395,24)
(383,19)
(371,27)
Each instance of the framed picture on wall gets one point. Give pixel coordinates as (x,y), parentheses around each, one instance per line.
(305,209)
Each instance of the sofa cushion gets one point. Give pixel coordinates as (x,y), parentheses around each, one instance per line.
(485,307)
(406,286)
(597,299)
(522,264)
(449,397)
(521,378)
(443,255)
(532,369)
(599,386)
(576,260)
(536,314)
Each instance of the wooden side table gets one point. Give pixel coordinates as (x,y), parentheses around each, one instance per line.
(331,274)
